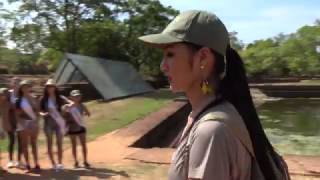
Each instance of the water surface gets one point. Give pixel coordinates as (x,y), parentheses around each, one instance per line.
(293,125)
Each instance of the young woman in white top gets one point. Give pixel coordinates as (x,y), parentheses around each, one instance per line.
(54,125)
(27,114)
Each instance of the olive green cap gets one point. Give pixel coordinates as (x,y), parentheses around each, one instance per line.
(197,27)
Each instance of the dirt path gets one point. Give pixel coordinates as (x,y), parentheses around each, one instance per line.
(112,158)
(108,156)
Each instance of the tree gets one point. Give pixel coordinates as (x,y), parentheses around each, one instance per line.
(28,38)
(262,59)
(235,42)
(50,58)
(45,29)
(300,51)
(107,29)
(144,17)
(285,55)
(61,19)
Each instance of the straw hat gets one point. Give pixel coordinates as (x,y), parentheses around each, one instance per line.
(26,83)
(3,91)
(50,82)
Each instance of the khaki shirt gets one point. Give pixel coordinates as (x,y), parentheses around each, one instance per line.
(212,150)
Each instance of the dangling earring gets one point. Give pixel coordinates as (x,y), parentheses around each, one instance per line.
(206,88)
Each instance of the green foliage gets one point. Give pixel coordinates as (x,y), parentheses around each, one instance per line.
(50,58)
(19,63)
(25,65)
(107,29)
(285,55)
(27,38)
(235,42)
(129,110)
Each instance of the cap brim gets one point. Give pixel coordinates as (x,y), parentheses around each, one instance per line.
(159,40)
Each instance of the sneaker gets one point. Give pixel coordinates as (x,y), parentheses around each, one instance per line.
(37,168)
(10,164)
(76,165)
(60,167)
(86,165)
(54,167)
(16,163)
(28,168)
(20,165)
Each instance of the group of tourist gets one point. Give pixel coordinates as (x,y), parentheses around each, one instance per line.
(21,114)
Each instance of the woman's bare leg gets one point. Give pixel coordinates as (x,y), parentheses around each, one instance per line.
(24,141)
(34,145)
(74,147)
(83,142)
(59,139)
(49,148)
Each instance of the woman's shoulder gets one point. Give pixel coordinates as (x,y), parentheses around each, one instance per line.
(228,122)
(210,134)
(209,129)
(221,112)
(220,119)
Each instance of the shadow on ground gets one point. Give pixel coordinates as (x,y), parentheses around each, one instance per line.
(99,173)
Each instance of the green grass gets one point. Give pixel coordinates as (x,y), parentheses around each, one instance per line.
(3,144)
(109,116)
(121,113)
(310,82)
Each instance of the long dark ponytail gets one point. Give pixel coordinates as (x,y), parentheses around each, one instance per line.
(19,97)
(234,88)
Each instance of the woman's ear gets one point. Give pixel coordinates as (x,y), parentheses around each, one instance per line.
(205,56)
(206,61)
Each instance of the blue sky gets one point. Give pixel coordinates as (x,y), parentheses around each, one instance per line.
(256,19)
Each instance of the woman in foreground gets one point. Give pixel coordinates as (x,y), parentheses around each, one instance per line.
(223,138)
